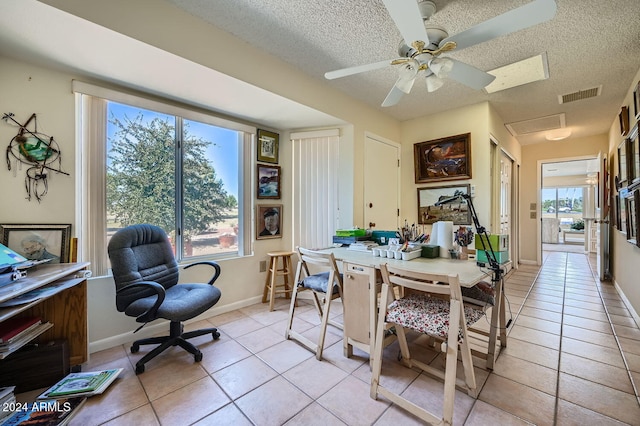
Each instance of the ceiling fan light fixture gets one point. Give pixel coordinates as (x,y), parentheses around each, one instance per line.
(433,83)
(441,67)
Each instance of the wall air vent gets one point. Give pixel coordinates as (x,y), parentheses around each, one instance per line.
(579,95)
(535,125)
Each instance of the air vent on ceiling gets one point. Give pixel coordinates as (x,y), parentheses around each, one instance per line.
(534,125)
(579,95)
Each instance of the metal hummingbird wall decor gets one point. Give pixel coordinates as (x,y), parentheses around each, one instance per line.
(39,152)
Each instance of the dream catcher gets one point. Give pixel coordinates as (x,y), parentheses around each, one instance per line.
(37,151)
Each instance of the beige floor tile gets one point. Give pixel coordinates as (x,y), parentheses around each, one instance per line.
(273,403)
(540,338)
(285,355)
(589,324)
(537,354)
(527,373)
(630,345)
(243,376)
(204,397)
(315,415)
(633,361)
(143,416)
(607,355)
(595,337)
(573,415)
(229,415)
(172,371)
(519,400)
(539,324)
(349,400)
(542,314)
(598,372)
(626,331)
(315,377)
(260,339)
(483,414)
(601,399)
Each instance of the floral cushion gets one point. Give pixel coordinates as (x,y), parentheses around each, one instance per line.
(426,314)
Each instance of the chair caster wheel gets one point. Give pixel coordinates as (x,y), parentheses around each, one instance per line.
(135,348)
(197,356)
(139,368)
(216,335)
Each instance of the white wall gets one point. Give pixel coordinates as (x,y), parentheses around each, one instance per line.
(28,88)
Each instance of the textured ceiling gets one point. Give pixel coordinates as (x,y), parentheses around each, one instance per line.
(588,43)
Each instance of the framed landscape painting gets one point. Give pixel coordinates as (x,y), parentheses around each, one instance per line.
(268,181)
(443,159)
(453,207)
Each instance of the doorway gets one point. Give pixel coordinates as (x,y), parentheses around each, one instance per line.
(568,191)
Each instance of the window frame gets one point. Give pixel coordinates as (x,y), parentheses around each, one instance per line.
(91,101)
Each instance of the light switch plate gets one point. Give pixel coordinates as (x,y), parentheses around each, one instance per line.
(533,206)
(532,215)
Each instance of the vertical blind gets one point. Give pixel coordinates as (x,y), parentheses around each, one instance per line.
(315,187)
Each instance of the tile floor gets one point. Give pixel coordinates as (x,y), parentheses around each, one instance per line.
(562,366)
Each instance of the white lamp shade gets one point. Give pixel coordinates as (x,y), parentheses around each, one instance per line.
(433,83)
(441,67)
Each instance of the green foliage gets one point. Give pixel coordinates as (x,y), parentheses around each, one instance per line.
(578,225)
(141,178)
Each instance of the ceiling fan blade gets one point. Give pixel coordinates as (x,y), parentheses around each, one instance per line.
(355,70)
(408,19)
(526,16)
(395,94)
(469,75)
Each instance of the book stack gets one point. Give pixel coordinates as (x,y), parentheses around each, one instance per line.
(7,401)
(15,332)
(82,384)
(56,412)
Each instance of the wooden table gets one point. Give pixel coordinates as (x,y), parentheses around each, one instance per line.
(362,283)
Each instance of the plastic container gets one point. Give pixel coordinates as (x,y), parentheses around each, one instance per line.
(409,255)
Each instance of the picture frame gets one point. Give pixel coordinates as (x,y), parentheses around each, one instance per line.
(268,182)
(616,212)
(443,159)
(622,210)
(38,241)
(634,155)
(457,211)
(633,219)
(623,165)
(268,221)
(636,101)
(268,143)
(623,118)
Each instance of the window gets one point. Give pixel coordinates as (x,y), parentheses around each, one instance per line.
(147,162)
(564,203)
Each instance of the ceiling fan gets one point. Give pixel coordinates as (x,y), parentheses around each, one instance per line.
(423,44)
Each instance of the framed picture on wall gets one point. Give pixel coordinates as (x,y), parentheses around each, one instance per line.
(632,205)
(636,101)
(49,243)
(623,118)
(443,159)
(634,155)
(455,210)
(622,210)
(268,221)
(622,163)
(268,146)
(268,181)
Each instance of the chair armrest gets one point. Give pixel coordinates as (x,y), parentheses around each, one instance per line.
(151,313)
(213,264)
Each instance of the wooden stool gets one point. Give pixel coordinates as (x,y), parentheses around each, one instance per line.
(271,283)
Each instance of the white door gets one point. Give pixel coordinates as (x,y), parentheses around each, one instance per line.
(602,219)
(506,179)
(381,184)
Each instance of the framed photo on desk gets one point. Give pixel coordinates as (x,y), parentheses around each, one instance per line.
(38,242)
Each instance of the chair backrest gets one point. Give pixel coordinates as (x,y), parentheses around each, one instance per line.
(313,262)
(141,253)
(440,284)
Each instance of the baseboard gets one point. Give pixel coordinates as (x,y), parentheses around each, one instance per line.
(159,327)
(627,303)
(528,262)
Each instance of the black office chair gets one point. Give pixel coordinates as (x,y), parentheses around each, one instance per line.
(146,276)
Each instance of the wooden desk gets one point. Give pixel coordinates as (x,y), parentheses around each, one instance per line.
(362,283)
(65,307)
